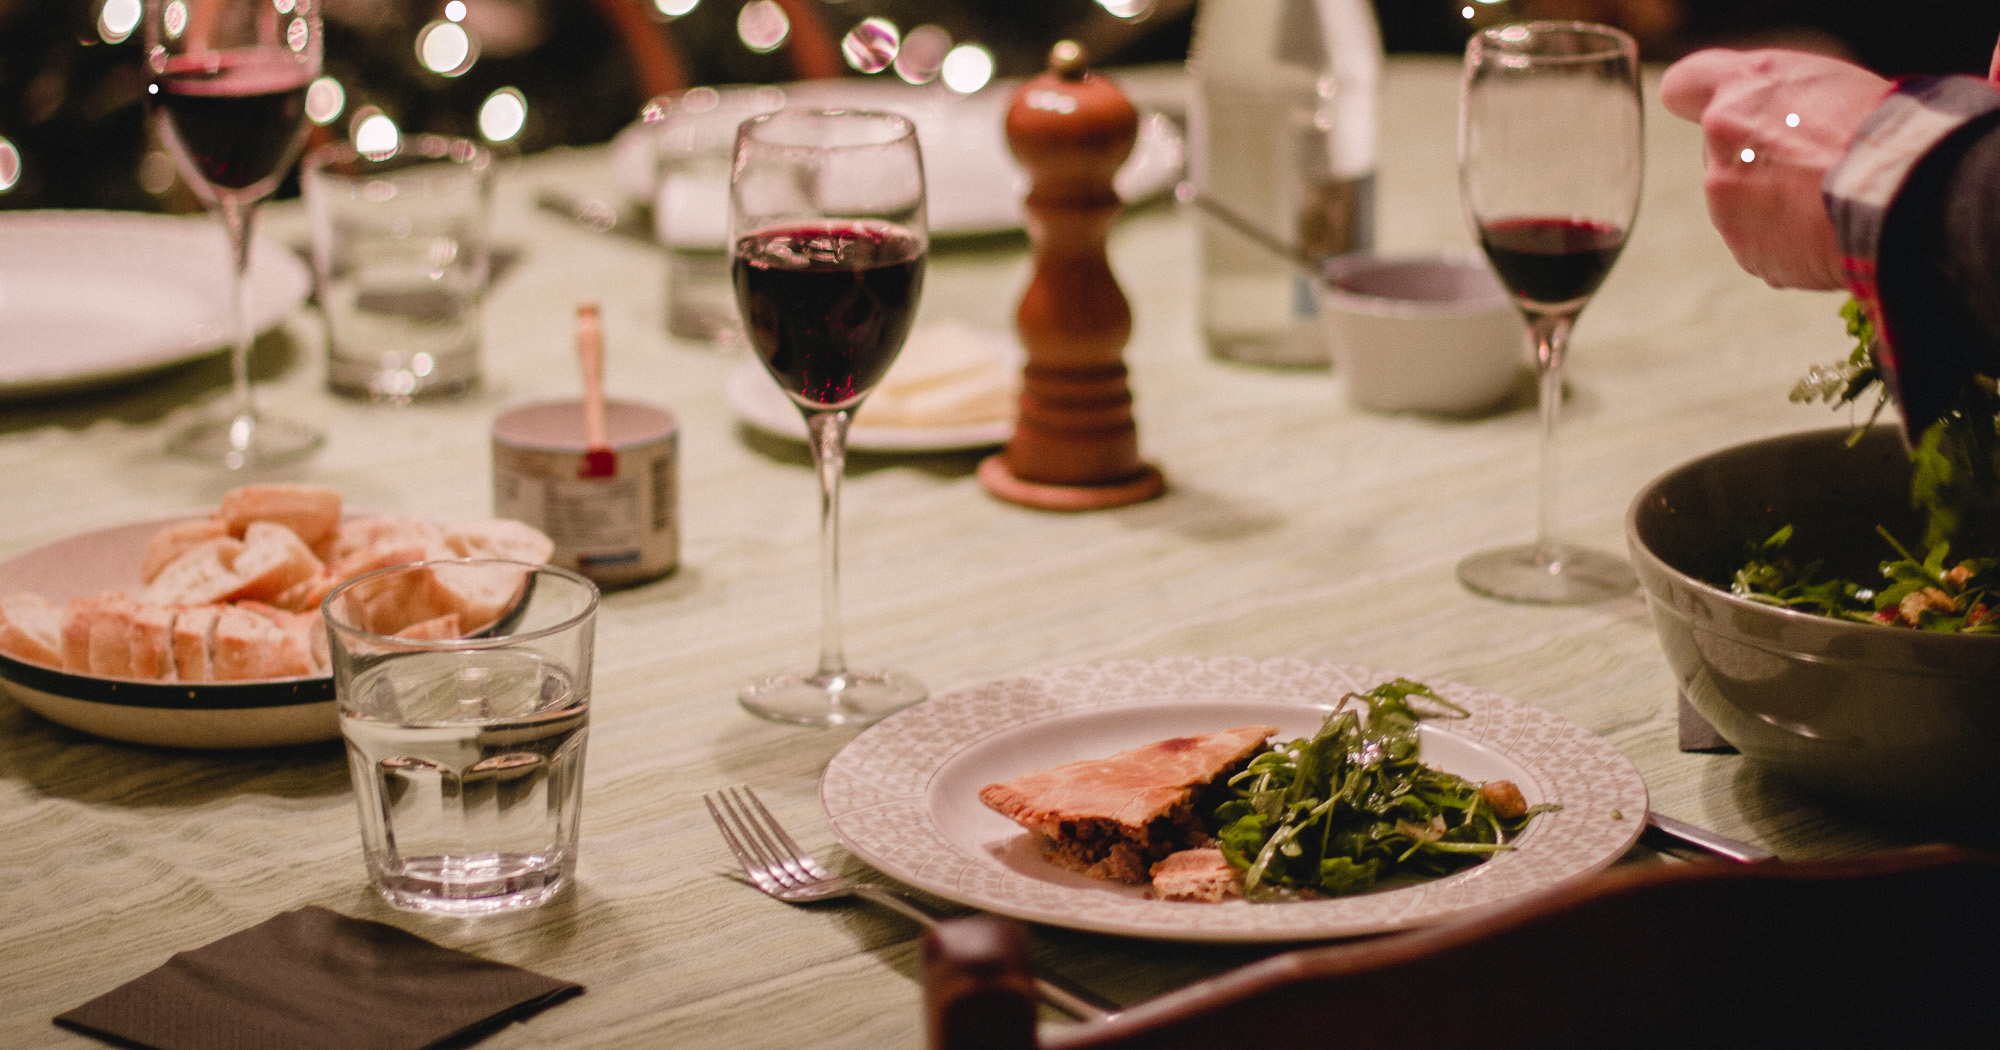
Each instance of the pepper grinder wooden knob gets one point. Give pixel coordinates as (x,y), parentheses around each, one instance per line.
(1075,446)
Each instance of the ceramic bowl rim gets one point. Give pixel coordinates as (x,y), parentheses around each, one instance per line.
(1915,640)
(1333,296)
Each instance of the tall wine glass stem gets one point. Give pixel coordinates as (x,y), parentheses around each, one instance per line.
(828,433)
(237,217)
(242,438)
(1547,571)
(831,695)
(1551,335)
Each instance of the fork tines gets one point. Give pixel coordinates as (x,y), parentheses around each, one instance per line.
(769,856)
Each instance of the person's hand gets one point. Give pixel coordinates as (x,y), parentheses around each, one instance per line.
(1772,123)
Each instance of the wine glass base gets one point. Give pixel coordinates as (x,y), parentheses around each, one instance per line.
(246,442)
(1554,576)
(854,698)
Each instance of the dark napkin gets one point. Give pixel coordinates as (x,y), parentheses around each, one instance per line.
(1697,734)
(312,979)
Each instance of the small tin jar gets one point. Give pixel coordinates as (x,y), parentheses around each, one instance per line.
(617,527)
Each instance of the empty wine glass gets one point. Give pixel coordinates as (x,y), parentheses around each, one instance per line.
(228,85)
(829,239)
(1549,163)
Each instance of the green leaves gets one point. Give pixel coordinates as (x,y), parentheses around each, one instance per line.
(1929,593)
(1337,813)
(1771,576)
(1954,482)
(1242,838)
(1955,479)
(1343,875)
(1846,382)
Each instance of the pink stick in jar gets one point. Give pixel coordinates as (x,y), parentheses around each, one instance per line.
(599,459)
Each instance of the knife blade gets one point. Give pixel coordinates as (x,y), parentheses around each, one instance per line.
(1702,840)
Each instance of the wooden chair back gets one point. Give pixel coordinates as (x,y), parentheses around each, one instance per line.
(1900,950)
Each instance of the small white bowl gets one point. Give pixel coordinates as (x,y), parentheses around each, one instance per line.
(1433,334)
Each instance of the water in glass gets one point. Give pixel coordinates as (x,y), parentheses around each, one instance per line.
(468,770)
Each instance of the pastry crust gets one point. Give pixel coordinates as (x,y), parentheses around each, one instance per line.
(1197,875)
(1114,818)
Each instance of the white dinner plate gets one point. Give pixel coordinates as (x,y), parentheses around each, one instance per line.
(975,187)
(903,795)
(262,712)
(269,712)
(756,400)
(92,297)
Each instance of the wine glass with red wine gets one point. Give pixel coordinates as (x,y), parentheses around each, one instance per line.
(227,83)
(1549,162)
(829,237)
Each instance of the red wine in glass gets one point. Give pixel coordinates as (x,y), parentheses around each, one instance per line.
(238,115)
(1550,262)
(827,305)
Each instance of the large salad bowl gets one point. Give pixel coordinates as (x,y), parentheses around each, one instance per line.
(1905,722)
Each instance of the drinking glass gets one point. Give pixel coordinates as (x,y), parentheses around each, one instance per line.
(1549,163)
(828,234)
(227,83)
(401,264)
(694,134)
(465,742)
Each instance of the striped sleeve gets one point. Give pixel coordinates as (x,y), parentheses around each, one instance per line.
(1885,198)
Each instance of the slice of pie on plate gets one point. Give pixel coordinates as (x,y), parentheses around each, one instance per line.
(1114,818)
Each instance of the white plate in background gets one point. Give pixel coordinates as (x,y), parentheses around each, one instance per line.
(92,297)
(975,185)
(757,401)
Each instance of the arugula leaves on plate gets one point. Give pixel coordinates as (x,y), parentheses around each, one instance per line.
(1352,806)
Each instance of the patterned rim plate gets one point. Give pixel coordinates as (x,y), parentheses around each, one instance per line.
(903,795)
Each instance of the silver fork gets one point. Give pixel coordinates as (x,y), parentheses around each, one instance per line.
(776,865)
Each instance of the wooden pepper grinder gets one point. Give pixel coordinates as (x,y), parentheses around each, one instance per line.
(1075,446)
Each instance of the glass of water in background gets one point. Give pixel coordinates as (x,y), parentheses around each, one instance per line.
(694,133)
(464,694)
(401,262)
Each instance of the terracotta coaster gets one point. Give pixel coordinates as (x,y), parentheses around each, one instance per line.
(1001,482)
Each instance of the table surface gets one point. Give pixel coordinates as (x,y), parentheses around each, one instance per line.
(1295,526)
